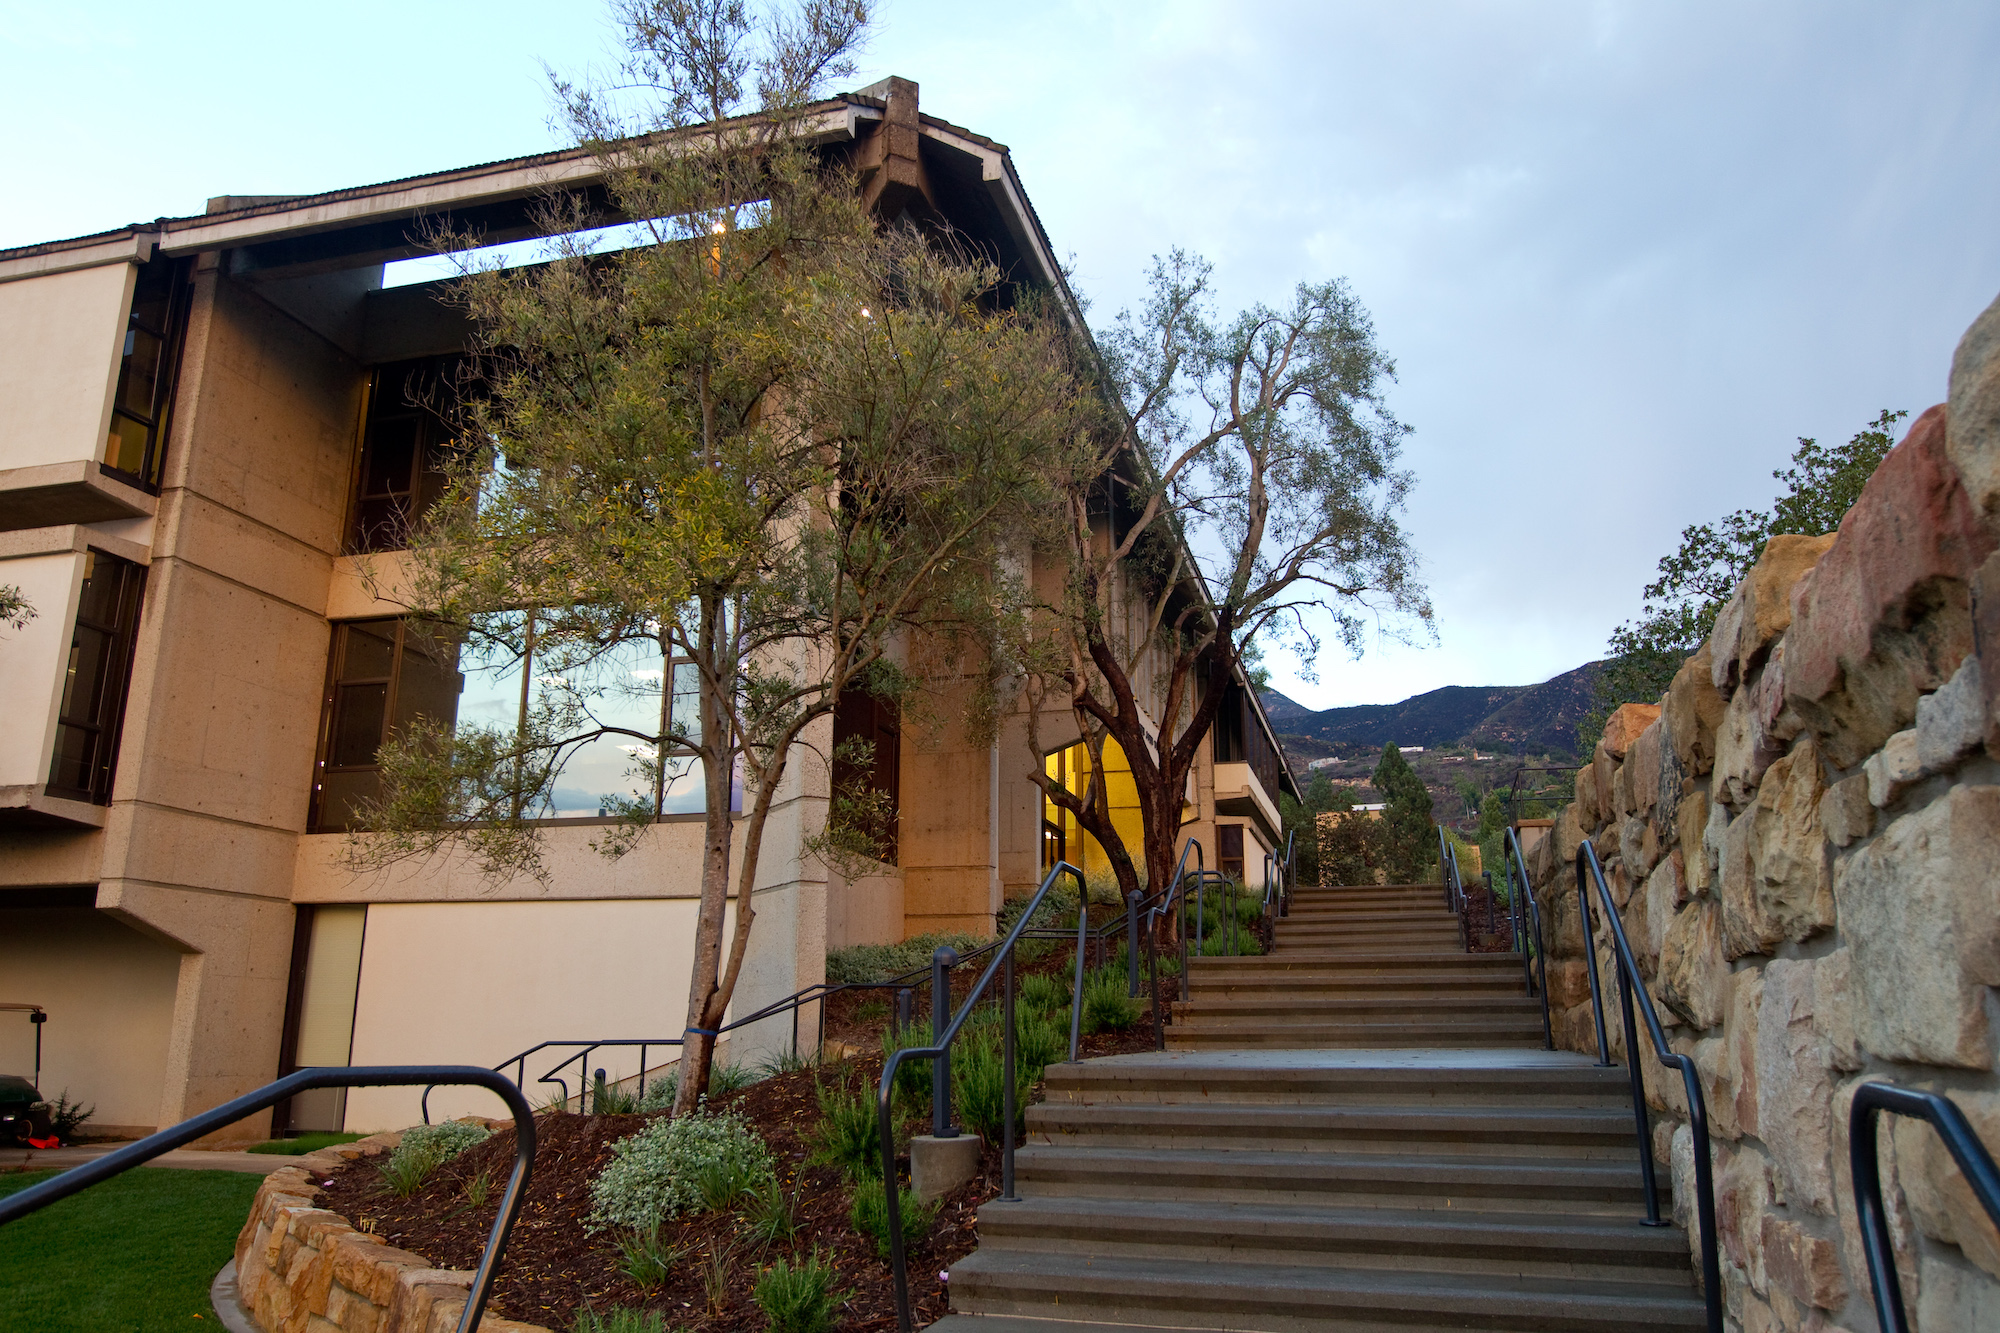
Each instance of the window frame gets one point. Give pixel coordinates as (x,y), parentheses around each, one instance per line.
(434,432)
(113,684)
(158,420)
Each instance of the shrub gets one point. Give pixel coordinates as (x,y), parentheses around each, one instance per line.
(66,1116)
(423,1150)
(913,1077)
(1106,1006)
(770,1214)
(848,1135)
(801,1298)
(870,1216)
(723,1079)
(619,1319)
(885,962)
(645,1259)
(610,1099)
(721,1185)
(979,1084)
(1218,944)
(655,1174)
(1042,992)
(1040,1041)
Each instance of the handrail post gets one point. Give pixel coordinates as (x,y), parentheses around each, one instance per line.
(1590,965)
(942,962)
(1132,942)
(1007,1078)
(1076,990)
(1642,1122)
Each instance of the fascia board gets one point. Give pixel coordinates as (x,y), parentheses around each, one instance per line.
(132,247)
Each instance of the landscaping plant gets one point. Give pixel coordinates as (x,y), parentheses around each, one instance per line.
(870,1216)
(978,1079)
(723,1079)
(655,1174)
(771,1213)
(799,1298)
(644,1258)
(423,1150)
(847,1134)
(1106,1005)
(619,1319)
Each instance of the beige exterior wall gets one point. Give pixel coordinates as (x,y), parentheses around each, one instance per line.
(60,340)
(32,662)
(473,983)
(110,996)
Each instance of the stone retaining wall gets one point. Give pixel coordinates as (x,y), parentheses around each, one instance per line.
(302,1269)
(1803,840)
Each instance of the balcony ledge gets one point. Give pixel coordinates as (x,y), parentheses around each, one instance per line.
(52,494)
(23,807)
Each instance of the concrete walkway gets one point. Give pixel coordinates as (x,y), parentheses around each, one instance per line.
(186,1159)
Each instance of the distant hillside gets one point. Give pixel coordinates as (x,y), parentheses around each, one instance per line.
(1524,718)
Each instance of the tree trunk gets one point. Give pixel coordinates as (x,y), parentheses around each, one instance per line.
(703,1012)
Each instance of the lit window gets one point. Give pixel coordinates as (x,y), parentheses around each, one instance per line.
(136,445)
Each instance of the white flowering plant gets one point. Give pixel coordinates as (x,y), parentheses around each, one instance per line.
(655,1175)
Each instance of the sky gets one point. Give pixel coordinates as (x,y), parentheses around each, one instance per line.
(1622,254)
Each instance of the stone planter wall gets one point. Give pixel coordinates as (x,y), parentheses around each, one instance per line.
(1803,839)
(302,1269)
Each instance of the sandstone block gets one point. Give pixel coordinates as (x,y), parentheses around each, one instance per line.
(1632,843)
(1745,745)
(1845,812)
(1663,897)
(1625,724)
(1642,765)
(1760,609)
(1972,436)
(1742,1196)
(1568,837)
(1804,1265)
(1833,1009)
(1986,644)
(1885,615)
(1739,1039)
(1795,1086)
(1718,1086)
(1567,983)
(1586,794)
(1621,792)
(1684,1187)
(1941,1202)
(1692,712)
(1693,977)
(1920,909)
(1952,722)
(1893,769)
(1775,884)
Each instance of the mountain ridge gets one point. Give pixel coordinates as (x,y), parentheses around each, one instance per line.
(1540,718)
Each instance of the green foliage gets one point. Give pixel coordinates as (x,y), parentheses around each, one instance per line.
(722,1184)
(479,1187)
(979,1087)
(645,1259)
(1042,993)
(1301,821)
(1107,1007)
(913,1076)
(655,1175)
(423,1150)
(15,610)
(1697,578)
(848,1135)
(169,1231)
(303,1144)
(886,962)
(1407,836)
(797,1062)
(723,1079)
(612,1099)
(771,1213)
(66,1116)
(1352,847)
(799,1298)
(619,1319)
(1227,939)
(869,1215)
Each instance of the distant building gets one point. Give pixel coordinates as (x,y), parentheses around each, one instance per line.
(1410,749)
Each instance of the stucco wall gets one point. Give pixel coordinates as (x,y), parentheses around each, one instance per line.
(60,342)
(109,992)
(473,983)
(33,659)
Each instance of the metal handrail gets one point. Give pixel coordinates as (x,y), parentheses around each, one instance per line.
(1454,887)
(1974,1163)
(1630,981)
(940,1050)
(1535,961)
(79,1178)
(1169,894)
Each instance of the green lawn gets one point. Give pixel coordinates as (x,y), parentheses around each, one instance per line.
(303,1144)
(132,1255)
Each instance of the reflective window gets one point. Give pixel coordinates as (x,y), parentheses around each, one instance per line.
(95,679)
(405,448)
(136,444)
(386,673)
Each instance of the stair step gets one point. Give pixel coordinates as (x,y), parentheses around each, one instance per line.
(1284,1298)
(1570,1134)
(1324,960)
(1315,1006)
(1424,1079)
(1609,1250)
(1453,1181)
(1358,1036)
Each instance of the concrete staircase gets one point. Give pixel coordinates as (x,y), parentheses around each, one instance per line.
(1367,966)
(1359,1131)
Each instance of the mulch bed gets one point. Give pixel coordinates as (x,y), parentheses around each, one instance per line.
(554,1267)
